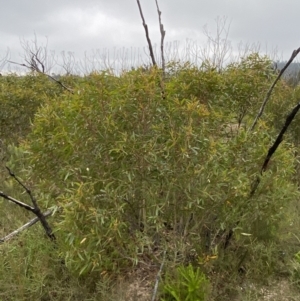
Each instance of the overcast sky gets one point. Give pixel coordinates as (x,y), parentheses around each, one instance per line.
(89,25)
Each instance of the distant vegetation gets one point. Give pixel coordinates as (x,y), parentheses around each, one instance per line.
(292,74)
(151,172)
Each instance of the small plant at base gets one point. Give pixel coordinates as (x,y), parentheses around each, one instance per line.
(295,269)
(188,284)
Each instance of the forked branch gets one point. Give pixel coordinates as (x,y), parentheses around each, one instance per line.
(34,209)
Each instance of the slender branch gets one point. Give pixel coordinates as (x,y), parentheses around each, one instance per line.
(261,110)
(163,63)
(19,203)
(147,34)
(162,35)
(69,62)
(158,277)
(21,184)
(38,60)
(27,225)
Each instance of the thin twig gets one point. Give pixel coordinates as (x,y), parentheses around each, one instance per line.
(158,277)
(147,34)
(22,185)
(261,110)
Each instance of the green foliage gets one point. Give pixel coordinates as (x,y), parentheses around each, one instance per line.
(134,172)
(189,82)
(239,96)
(20,96)
(295,270)
(187,284)
(25,268)
(125,163)
(31,269)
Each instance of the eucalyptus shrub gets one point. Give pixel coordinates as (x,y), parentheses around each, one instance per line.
(135,169)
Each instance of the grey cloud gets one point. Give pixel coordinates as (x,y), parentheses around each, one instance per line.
(72,25)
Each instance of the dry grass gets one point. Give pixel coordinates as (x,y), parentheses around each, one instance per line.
(137,285)
(280,290)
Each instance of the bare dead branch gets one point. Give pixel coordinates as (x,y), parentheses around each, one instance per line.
(36,209)
(279,138)
(25,226)
(274,147)
(38,57)
(218,49)
(147,34)
(261,110)
(19,203)
(163,64)
(69,61)
(162,37)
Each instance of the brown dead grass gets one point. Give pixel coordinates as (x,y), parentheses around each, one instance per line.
(280,290)
(137,285)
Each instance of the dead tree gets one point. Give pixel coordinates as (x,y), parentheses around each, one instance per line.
(38,59)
